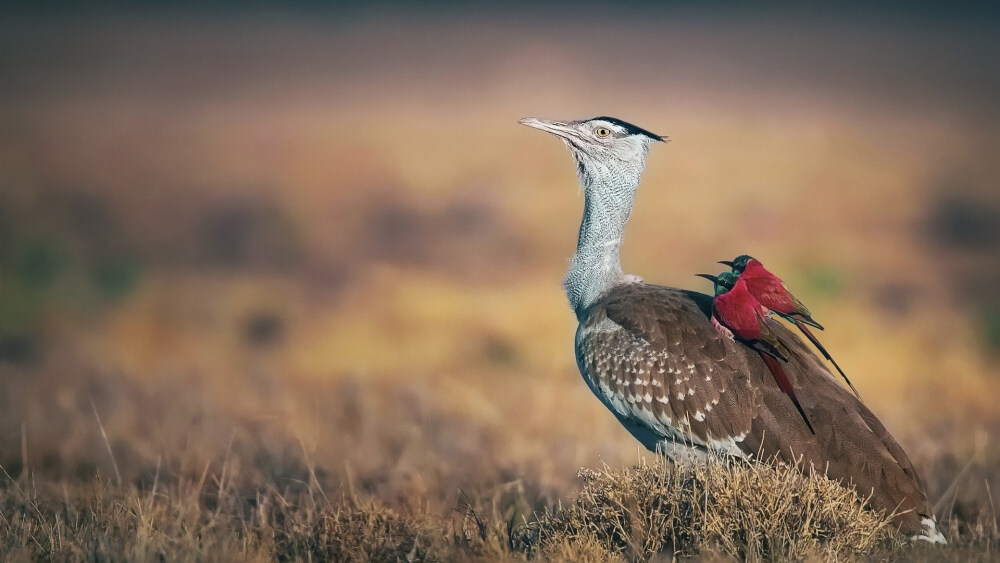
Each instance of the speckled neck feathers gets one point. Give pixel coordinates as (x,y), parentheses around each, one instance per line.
(609,189)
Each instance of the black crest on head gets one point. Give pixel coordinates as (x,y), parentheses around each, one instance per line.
(632,129)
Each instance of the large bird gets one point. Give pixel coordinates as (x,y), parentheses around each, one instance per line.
(679,386)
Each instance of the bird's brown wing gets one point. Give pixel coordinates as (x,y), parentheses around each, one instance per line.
(850,444)
(652,356)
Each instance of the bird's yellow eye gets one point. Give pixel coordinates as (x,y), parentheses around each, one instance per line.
(603,132)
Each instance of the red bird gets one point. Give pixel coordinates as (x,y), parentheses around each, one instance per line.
(736,310)
(771,292)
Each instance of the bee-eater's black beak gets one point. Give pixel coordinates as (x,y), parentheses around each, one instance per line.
(709,277)
(727,263)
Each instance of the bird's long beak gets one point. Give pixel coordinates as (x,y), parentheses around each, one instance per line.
(709,277)
(726,263)
(557,128)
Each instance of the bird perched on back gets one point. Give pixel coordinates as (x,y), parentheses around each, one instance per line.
(771,292)
(737,313)
(652,356)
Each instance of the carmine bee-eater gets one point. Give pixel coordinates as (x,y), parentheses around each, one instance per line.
(770,291)
(736,309)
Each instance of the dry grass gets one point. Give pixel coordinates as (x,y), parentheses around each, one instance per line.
(237,488)
(634,513)
(730,509)
(718,510)
(183,522)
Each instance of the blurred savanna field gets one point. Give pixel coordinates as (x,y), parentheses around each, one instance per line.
(255,267)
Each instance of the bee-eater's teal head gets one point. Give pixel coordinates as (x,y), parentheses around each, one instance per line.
(722,282)
(739,263)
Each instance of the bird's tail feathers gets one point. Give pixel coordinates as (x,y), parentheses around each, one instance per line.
(785,384)
(822,350)
(809,321)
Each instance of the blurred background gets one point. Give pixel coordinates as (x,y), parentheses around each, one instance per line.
(316,238)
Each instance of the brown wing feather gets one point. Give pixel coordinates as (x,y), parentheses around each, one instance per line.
(850,442)
(652,356)
(666,367)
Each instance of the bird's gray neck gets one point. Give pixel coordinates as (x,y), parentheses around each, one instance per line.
(596,265)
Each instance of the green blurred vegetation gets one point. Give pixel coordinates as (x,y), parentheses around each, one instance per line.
(991,328)
(826,282)
(41,275)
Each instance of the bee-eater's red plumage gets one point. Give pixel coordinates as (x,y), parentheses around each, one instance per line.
(770,291)
(785,384)
(738,311)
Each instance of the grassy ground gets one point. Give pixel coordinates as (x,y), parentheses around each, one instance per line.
(649,511)
(262,305)
(113,468)
(632,513)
